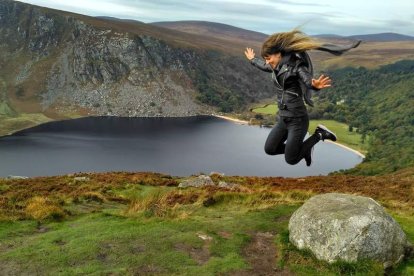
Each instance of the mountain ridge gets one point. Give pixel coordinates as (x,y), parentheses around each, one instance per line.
(378,37)
(62,65)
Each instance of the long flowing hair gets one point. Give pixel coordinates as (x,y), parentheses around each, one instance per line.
(288,42)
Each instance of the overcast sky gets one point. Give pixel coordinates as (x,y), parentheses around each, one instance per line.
(342,17)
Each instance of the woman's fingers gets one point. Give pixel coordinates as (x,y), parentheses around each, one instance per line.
(323,77)
(324,80)
(249,53)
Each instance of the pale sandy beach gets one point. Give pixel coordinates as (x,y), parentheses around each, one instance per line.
(246,122)
(346,147)
(231,119)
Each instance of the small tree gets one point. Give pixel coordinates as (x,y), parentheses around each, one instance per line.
(258,116)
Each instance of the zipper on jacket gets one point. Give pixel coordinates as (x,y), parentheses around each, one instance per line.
(275,79)
(292,93)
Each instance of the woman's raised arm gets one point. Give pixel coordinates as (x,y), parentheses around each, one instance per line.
(257,62)
(310,82)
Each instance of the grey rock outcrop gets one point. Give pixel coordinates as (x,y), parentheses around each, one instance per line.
(349,228)
(200,181)
(223,184)
(16,177)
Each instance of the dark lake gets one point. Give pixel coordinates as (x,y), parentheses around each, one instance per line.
(175,146)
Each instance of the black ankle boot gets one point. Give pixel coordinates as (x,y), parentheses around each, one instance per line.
(325,133)
(308,157)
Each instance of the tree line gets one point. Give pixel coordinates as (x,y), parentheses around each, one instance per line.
(379,104)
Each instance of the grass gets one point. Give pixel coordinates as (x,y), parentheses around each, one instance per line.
(303,262)
(21,121)
(102,243)
(345,137)
(41,208)
(141,223)
(5,110)
(406,220)
(269,109)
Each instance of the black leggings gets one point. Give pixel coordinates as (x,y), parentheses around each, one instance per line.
(292,130)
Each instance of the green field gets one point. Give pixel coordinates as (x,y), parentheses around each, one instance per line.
(5,110)
(345,137)
(21,121)
(269,109)
(11,124)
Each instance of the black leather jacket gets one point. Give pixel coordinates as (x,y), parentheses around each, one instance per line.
(290,77)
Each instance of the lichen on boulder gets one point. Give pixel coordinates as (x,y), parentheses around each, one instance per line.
(349,228)
(200,181)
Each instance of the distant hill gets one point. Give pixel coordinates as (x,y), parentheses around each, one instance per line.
(328,36)
(60,64)
(372,53)
(56,64)
(213,29)
(119,19)
(385,37)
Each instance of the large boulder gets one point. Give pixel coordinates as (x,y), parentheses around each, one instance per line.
(349,228)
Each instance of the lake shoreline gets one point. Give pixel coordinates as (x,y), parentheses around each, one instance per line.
(75,145)
(243,122)
(246,122)
(232,119)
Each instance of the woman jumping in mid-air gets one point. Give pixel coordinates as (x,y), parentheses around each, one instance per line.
(286,59)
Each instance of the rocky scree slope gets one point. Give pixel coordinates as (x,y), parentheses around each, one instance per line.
(58,63)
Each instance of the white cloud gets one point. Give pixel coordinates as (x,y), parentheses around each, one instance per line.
(268,16)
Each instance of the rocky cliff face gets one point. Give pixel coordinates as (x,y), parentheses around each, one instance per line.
(59,63)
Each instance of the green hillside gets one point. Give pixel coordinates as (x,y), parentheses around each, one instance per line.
(371,110)
(379,104)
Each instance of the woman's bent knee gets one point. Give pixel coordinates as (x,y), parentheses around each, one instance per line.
(270,149)
(291,161)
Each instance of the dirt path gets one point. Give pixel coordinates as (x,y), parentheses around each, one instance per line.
(261,254)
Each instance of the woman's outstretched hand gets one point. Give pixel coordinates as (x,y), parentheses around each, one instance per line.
(321,82)
(249,53)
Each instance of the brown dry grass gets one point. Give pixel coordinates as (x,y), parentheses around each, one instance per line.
(156,204)
(395,191)
(41,208)
(16,194)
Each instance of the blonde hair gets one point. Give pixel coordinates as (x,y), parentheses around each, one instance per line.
(293,41)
